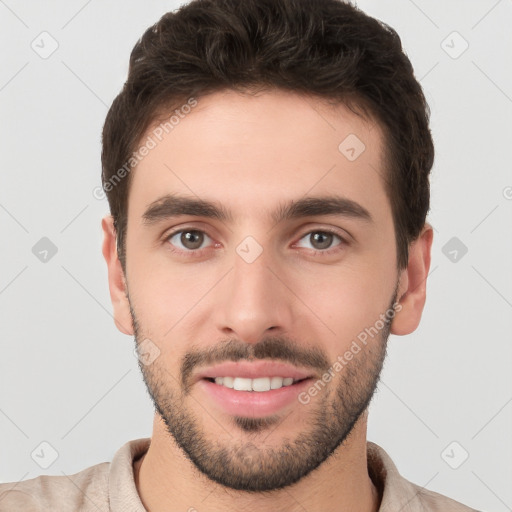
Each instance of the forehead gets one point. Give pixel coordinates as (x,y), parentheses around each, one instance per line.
(261,150)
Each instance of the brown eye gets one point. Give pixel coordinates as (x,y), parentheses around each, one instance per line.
(188,239)
(320,240)
(192,239)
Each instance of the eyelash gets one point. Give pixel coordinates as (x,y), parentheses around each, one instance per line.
(199,252)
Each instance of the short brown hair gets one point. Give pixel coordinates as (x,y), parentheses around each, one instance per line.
(326,48)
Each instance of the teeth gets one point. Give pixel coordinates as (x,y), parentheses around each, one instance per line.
(259,384)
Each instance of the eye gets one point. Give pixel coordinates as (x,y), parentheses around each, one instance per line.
(321,240)
(188,239)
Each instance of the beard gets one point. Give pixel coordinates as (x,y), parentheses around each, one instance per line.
(245,465)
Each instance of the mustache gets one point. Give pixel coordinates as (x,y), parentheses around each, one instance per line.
(276,348)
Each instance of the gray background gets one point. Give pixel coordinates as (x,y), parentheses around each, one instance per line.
(70,379)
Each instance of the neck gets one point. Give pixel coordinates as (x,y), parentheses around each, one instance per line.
(167,480)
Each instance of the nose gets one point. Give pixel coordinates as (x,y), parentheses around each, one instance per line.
(253,301)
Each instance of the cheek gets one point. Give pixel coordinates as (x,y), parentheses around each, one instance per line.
(165,296)
(347,300)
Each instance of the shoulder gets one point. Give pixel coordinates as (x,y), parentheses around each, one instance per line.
(398,493)
(84,491)
(95,489)
(434,502)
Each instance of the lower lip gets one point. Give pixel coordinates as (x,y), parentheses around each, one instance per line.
(253,404)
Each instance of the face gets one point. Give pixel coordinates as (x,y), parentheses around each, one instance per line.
(277,248)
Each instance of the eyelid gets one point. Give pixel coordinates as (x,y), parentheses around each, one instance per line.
(342,234)
(199,226)
(344,238)
(343,242)
(175,231)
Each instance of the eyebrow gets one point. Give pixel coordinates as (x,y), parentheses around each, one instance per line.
(173,205)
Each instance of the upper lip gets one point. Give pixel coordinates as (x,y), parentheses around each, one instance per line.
(253,370)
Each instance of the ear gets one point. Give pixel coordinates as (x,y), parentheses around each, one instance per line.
(412,289)
(116,278)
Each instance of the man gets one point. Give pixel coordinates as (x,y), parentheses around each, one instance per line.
(266,166)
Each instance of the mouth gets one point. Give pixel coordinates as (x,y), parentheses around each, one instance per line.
(258,384)
(263,375)
(253,398)
(253,388)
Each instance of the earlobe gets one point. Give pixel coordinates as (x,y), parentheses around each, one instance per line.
(116,278)
(413,284)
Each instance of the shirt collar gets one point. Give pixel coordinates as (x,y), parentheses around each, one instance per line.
(397,493)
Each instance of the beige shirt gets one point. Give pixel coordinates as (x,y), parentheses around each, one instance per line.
(110,487)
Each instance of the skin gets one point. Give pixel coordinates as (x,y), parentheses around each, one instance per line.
(251,154)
